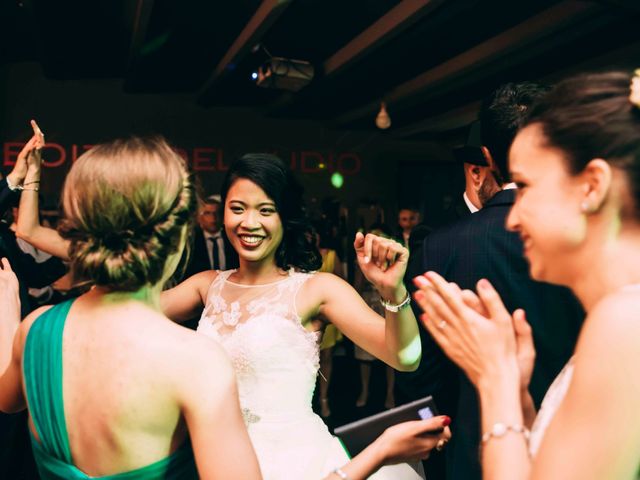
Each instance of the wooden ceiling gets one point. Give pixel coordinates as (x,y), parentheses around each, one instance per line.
(431,61)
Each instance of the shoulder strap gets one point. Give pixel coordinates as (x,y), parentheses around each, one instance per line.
(297,280)
(42,366)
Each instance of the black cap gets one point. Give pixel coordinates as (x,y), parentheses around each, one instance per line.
(471,151)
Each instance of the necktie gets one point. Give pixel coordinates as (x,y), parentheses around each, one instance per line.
(216,254)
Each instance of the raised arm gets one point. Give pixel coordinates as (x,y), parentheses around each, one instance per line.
(12,337)
(29,228)
(186,300)
(10,186)
(394,339)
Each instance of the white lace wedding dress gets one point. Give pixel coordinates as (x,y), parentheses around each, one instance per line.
(276,361)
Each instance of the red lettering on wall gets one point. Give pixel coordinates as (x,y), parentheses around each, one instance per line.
(53,163)
(310,161)
(201,161)
(222,167)
(292,162)
(10,153)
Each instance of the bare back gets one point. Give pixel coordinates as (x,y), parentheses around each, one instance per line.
(124,368)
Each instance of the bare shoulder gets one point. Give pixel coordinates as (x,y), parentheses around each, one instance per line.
(324,280)
(317,289)
(201,366)
(611,332)
(615,316)
(202,280)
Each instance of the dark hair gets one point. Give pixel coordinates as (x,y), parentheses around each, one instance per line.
(274,177)
(590,116)
(501,115)
(126,205)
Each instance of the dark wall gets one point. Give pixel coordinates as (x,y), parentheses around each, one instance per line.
(77,113)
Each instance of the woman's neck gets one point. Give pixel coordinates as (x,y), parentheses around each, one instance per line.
(149,295)
(256,273)
(614,266)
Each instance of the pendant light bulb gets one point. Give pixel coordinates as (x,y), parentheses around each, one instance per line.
(382,119)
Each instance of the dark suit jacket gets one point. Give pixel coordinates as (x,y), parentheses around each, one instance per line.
(457,210)
(6,196)
(479,246)
(199,259)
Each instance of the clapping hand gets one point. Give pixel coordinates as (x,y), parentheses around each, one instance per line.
(476,332)
(383,261)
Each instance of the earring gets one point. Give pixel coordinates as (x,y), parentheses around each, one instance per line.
(585,207)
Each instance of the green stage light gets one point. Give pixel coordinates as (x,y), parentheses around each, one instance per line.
(337,180)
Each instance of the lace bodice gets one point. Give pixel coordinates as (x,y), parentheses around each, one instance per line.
(274,357)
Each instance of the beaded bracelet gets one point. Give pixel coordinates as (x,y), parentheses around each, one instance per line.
(500,430)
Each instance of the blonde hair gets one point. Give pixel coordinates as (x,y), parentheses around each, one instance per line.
(126,204)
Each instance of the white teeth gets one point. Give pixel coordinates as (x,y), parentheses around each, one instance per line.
(248,239)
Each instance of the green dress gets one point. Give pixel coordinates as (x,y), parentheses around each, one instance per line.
(42,366)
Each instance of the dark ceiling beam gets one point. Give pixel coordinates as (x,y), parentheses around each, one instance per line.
(522,39)
(264,17)
(392,23)
(450,120)
(396,20)
(140,24)
(622,57)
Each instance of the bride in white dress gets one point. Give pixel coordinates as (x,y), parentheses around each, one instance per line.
(262,314)
(576,163)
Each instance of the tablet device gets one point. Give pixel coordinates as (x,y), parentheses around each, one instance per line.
(356,436)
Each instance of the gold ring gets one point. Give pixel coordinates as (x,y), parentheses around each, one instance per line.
(440,445)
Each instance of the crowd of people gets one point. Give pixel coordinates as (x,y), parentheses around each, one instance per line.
(521,325)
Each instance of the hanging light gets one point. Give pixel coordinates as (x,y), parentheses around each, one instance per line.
(382,119)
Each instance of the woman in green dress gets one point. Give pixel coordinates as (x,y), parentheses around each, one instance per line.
(114,388)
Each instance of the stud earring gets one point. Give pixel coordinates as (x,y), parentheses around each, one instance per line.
(585,207)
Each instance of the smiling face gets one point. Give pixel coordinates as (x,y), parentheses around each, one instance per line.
(252,222)
(547,212)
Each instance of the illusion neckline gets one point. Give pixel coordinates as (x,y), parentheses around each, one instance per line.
(226,279)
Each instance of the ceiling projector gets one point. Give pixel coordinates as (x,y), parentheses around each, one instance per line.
(285,74)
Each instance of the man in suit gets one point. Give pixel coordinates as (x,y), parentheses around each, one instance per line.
(477,177)
(479,246)
(211,249)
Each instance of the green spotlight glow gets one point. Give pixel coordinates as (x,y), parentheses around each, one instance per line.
(337,180)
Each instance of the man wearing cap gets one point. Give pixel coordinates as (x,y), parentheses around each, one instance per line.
(479,183)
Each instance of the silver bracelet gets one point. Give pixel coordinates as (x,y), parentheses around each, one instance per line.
(396,308)
(500,430)
(341,474)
